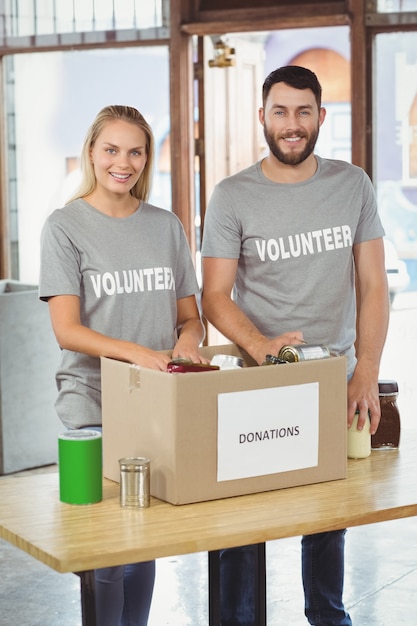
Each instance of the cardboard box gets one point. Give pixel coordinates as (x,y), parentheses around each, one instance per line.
(225,433)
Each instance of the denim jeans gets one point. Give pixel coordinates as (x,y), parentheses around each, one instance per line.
(322,571)
(323,566)
(124,594)
(237,586)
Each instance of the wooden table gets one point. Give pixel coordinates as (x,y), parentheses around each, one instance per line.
(79,539)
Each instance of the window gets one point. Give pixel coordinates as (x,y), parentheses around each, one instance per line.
(395,142)
(395,6)
(23,18)
(52,99)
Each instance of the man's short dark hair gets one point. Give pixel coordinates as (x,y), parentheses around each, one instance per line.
(294,76)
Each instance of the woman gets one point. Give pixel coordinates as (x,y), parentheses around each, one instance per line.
(119,281)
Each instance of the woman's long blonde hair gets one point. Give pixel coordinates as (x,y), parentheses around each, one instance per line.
(128,114)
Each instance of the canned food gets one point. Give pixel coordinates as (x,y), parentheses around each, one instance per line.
(227,361)
(271,359)
(134,482)
(304,352)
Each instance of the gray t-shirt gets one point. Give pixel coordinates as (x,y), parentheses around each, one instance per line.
(128,273)
(294,245)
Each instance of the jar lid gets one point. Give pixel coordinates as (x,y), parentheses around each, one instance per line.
(387,386)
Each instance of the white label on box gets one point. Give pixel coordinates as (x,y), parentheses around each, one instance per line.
(267,431)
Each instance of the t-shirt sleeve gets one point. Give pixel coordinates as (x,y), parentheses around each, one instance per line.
(369,225)
(222,229)
(185,281)
(59,266)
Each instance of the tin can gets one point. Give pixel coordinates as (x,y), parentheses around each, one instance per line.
(271,359)
(134,482)
(227,361)
(304,352)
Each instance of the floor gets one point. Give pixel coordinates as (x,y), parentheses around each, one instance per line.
(381,559)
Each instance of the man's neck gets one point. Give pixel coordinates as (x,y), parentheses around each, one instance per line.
(288,174)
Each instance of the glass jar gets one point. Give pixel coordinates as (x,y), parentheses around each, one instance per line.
(359,441)
(387,436)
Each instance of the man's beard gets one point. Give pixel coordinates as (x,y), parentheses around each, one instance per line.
(291,158)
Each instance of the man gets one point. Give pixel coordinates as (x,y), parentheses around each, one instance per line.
(289,235)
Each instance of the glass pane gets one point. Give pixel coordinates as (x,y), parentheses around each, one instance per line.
(395,154)
(395,178)
(49,130)
(45,17)
(396,6)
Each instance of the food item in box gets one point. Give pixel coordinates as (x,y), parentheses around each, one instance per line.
(227,361)
(303,352)
(178,366)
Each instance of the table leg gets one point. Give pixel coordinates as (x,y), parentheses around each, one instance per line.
(214,587)
(88,598)
(259,583)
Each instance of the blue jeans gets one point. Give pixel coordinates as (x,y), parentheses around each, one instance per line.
(322,571)
(124,594)
(237,586)
(323,566)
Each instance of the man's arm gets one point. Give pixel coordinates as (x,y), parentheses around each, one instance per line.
(220,310)
(372,326)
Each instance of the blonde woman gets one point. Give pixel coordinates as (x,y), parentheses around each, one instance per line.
(119,281)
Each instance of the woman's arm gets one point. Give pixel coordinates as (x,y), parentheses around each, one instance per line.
(72,335)
(191,331)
